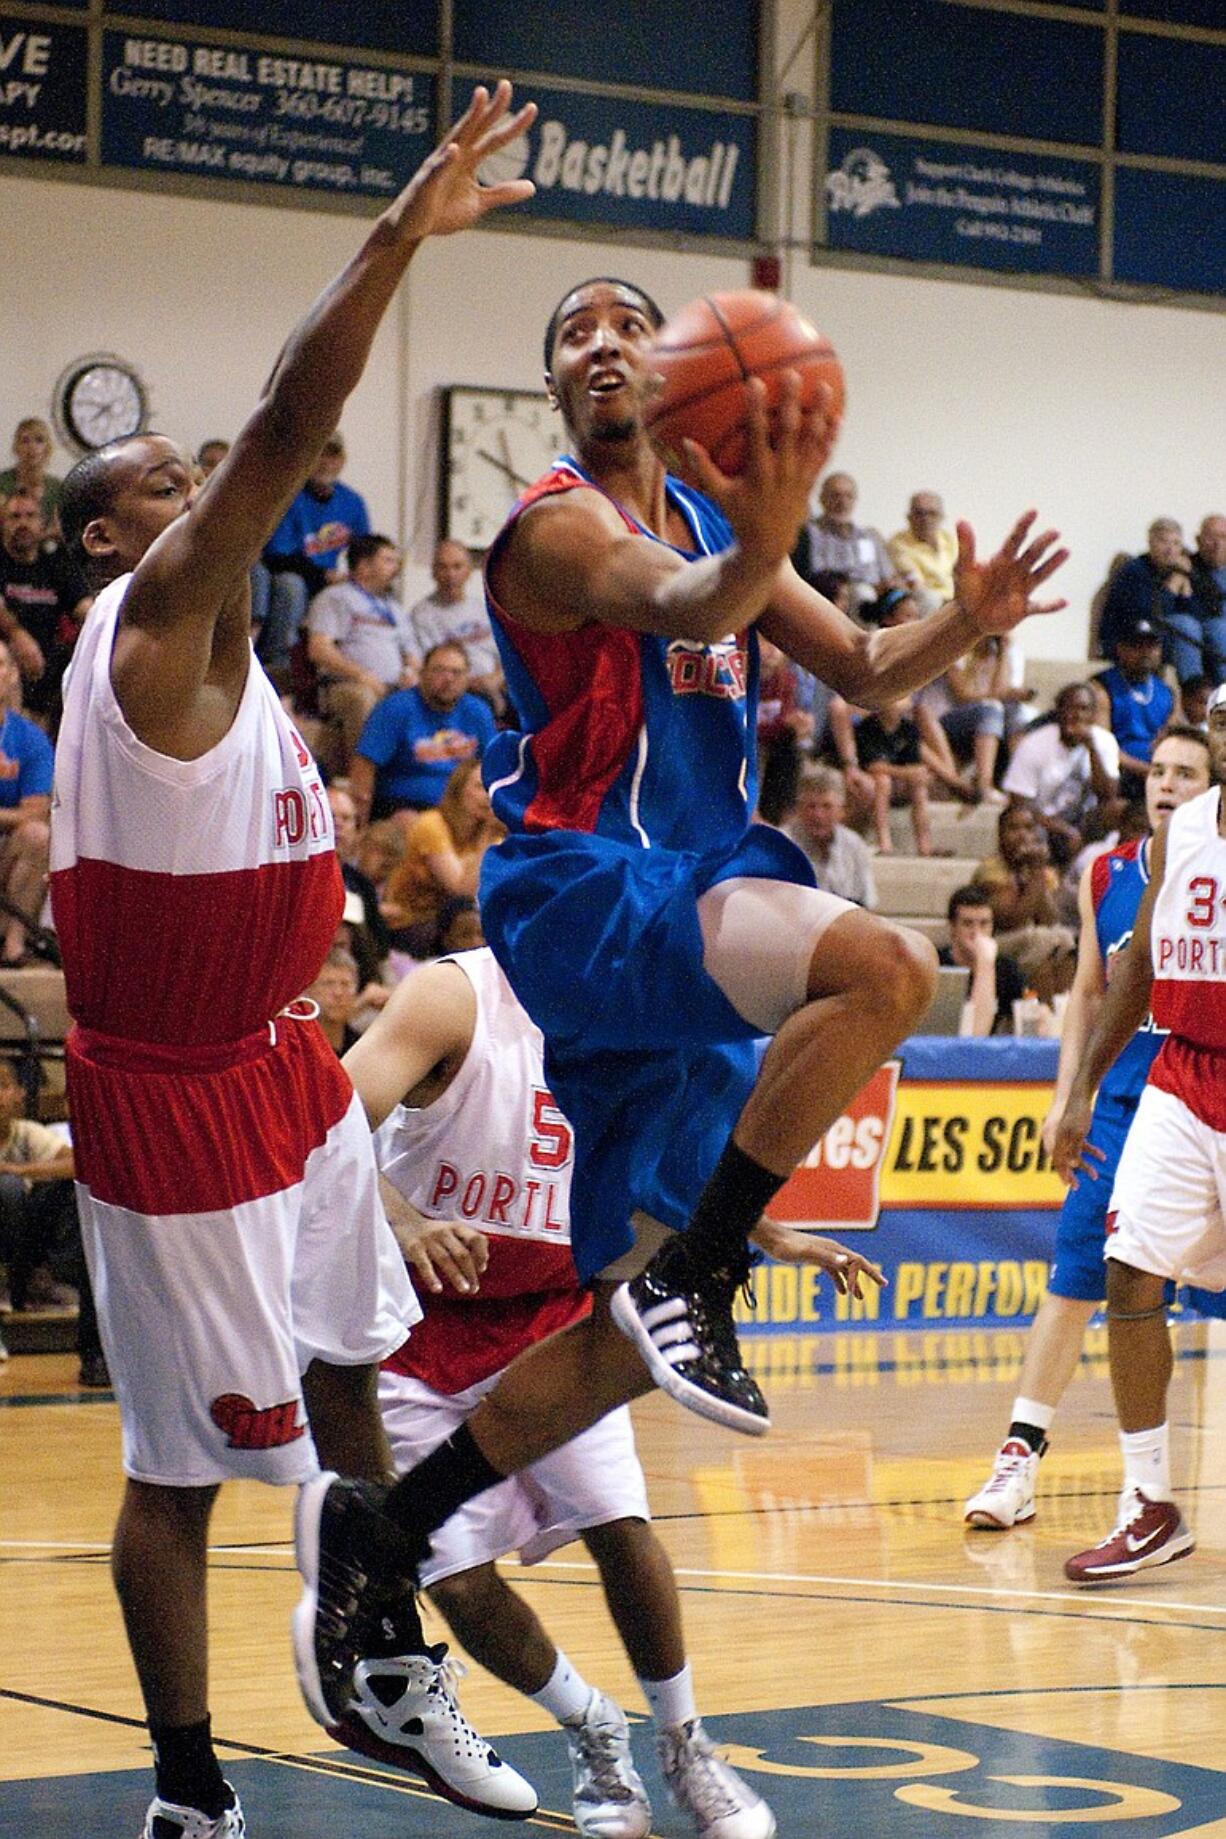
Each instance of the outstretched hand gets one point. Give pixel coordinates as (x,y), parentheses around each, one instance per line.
(846,1269)
(996,594)
(445,194)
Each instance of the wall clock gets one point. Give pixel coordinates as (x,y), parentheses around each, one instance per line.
(98,399)
(495,443)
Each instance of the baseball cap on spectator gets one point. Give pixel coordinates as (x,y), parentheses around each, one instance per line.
(1139,630)
(874,611)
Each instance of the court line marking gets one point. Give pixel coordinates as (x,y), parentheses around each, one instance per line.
(339,1767)
(1115,1600)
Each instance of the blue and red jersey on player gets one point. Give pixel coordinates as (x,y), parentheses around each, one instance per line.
(1118,879)
(627,793)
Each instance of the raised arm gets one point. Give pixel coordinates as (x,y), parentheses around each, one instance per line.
(873,668)
(185,614)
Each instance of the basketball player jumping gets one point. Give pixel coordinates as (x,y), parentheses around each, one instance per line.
(241,1262)
(1166,1210)
(651,930)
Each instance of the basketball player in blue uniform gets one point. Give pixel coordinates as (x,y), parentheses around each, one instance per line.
(1110,893)
(649,927)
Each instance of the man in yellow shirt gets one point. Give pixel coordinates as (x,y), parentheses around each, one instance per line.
(925,552)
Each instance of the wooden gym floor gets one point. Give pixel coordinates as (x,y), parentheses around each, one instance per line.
(879,1671)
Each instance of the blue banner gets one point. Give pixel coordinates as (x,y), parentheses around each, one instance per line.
(928,201)
(968,67)
(654,44)
(43,75)
(1170,94)
(378,25)
(1170,230)
(637,165)
(228,112)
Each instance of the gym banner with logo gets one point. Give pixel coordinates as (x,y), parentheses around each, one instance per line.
(937,1172)
(889,194)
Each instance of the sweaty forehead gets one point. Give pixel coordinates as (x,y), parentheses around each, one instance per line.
(598,294)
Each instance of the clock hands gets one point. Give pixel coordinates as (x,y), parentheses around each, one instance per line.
(504,466)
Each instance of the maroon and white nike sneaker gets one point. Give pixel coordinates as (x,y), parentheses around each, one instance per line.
(1148,1533)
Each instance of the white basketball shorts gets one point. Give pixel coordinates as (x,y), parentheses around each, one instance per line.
(590,1481)
(1167,1201)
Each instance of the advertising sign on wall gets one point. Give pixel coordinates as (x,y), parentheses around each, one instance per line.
(43,74)
(230,112)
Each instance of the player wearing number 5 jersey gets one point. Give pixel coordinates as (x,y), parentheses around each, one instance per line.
(476,1160)
(1166,1218)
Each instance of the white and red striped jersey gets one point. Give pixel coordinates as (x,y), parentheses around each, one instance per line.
(193,899)
(1188,946)
(494,1151)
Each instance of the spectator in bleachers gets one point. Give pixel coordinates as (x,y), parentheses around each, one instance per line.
(455,611)
(38,1213)
(888,750)
(1068,772)
(366,933)
(1159,586)
(414,739)
(834,540)
(459,925)
(996,670)
(1023,887)
(925,552)
(996,980)
(26,769)
(1134,701)
(446,847)
(1209,577)
(43,601)
(28,474)
(360,642)
(305,551)
(841,861)
(209,456)
(335,989)
(1194,702)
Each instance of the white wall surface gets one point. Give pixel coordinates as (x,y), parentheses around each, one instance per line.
(1100,413)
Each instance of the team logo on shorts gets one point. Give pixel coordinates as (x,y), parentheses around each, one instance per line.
(250,1426)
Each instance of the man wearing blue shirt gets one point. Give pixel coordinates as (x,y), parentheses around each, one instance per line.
(26,765)
(1141,704)
(414,739)
(304,552)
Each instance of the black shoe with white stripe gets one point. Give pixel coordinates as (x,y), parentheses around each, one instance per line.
(680,1320)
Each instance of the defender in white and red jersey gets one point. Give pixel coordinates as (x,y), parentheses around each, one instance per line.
(478,1159)
(1167,1206)
(246,1280)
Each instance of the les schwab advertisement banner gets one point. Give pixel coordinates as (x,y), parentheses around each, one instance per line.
(937,1171)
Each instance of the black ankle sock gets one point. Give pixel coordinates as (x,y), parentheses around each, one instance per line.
(1029,1434)
(729,1208)
(188,1773)
(450,1475)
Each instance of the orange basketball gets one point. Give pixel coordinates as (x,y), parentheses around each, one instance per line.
(706,355)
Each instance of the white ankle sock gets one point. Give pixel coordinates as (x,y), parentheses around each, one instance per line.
(1030,1411)
(565,1694)
(1147,1462)
(671,1700)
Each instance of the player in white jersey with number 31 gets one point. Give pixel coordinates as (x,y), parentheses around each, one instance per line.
(1168,1206)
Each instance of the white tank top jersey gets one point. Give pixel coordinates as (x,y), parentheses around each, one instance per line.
(1188,928)
(194,898)
(494,1150)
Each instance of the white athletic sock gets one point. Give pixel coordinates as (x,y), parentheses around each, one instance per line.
(1147,1462)
(1030,1411)
(565,1694)
(671,1700)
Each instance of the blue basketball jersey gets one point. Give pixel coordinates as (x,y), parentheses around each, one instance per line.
(1117,882)
(645,740)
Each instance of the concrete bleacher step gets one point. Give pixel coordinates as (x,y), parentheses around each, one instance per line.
(932,928)
(40,1331)
(920,885)
(966,830)
(39,988)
